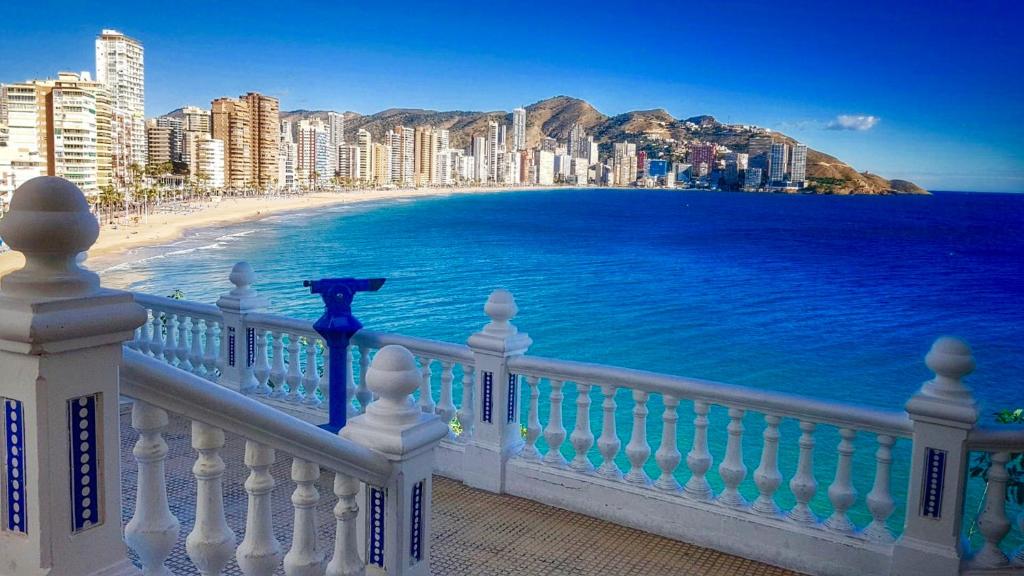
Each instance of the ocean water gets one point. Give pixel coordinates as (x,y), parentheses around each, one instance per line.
(835,297)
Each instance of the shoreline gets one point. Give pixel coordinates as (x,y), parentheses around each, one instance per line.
(167,227)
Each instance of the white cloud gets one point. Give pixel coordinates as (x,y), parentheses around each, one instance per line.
(853,122)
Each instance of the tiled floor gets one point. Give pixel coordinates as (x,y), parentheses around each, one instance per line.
(475,532)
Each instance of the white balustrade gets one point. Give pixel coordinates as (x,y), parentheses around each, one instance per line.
(426,396)
(278,370)
(803,485)
(156,342)
(880,501)
(181,353)
(446,407)
(171,342)
(145,335)
(608,444)
(362,392)
(638,450)
(554,433)
(304,558)
(992,522)
(195,351)
(533,429)
(582,438)
(211,543)
(153,530)
(732,469)
(213,350)
(260,552)
(668,456)
(841,492)
(767,477)
(699,459)
(261,368)
(467,414)
(346,560)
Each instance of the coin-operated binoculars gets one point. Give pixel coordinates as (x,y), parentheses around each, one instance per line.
(337,325)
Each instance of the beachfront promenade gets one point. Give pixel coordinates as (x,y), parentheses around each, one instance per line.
(244,388)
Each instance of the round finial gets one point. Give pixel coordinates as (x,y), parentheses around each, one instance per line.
(392,377)
(501,307)
(50,223)
(242,276)
(951,360)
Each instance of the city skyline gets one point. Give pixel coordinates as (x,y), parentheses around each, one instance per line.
(937,131)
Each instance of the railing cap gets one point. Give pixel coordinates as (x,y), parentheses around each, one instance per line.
(500,335)
(945,398)
(243,297)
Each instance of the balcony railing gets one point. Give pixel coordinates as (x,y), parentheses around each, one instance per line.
(836,488)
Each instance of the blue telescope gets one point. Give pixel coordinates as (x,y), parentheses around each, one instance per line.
(337,325)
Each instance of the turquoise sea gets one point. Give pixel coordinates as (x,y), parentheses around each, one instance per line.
(836,297)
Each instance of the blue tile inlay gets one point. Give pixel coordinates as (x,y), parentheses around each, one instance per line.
(250,346)
(487,397)
(416,527)
(84,440)
(375,554)
(513,392)
(231,345)
(14,440)
(934,479)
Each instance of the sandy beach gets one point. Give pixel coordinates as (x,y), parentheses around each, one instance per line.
(167,227)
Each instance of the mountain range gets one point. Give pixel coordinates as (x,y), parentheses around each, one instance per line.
(655,131)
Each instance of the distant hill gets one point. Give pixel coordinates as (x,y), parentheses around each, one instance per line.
(656,131)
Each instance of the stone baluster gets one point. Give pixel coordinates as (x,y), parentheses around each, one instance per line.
(362,392)
(554,433)
(803,485)
(608,444)
(467,414)
(211,543)
(397,516)
(346,560)
(181,354)
(732,469)
(153,530)
(277,369)
(260,366)
(195,353)
(943,412)
(582,438)
(145,336)
(533,429)
(136,341)
(668,455)
(156,341)
(62,345)
(171,343)
(427,404)
(992,522)
(213,358)
(767,477)
(1018,555)
(260,552)
(304,558)
(311,378)
(841,492)
(880,501)
(699,459)
(638,450)
(446,408)
(294,375)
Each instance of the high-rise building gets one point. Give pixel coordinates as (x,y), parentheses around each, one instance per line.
(426,148)
(758,151)
(798,166)
(492,151)
(175,137)
(313,159)
(381,163)
(364,141)
(735,166)
(703,153)
(752,179)
(195,119)
(579,146)
(210,162)
(231,125)
(120,67)
(158,143)
(480,169)
(777,163)
(335,128)
(519,129)
(545,168)
(265,134)
(287,157)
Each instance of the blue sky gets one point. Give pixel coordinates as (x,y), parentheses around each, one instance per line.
(942,79)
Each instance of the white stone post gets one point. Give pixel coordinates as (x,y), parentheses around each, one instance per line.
(943,412)
(61,338)
(496,431)
(395,518)
(238,340)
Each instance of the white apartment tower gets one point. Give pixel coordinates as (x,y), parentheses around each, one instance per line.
(492,151)
(365,144)
(519,129)
(120,68)
(798,165)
